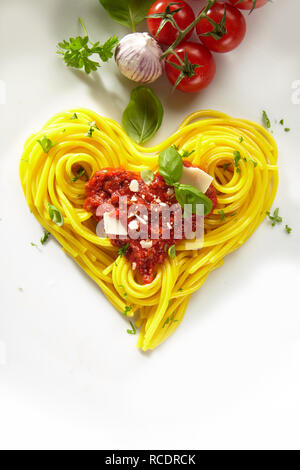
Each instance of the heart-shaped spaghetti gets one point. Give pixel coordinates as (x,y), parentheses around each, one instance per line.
(240,155)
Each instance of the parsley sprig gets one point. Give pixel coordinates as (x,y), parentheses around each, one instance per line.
(77,51)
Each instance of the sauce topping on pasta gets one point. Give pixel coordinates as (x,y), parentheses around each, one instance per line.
(103,193)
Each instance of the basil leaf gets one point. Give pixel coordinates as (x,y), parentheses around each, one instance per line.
(170,165)
(143,116)
(127,12)
(147,176)
(186,194)
(55,215)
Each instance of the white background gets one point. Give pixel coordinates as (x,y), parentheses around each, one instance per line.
(72,378)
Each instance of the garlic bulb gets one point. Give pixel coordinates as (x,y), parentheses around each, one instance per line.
(138,57)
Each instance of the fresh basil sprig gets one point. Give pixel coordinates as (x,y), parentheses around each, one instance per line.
(55,215)
(143,116)
(127,12)
(170,166)
(186,194)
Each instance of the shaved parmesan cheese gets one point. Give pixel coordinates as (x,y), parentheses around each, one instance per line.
(146,244)
(133,225)
(134,186)
(133,266)
(141,220)
(190,245)
(197,178)
(112,225)
(195,244)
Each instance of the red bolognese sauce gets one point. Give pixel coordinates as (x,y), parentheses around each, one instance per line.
(105,189)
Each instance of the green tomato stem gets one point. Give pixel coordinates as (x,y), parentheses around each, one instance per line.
(189,28)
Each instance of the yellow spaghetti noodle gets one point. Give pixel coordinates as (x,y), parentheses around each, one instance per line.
(245,189)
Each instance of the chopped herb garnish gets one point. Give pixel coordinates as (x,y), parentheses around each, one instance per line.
(170,320)
(172,251)
(288,229)
(55,215)
(266,120)
(75,116)
(46,144)
(80,173)
(287,129)
(33,244)
(281,122)
(275,218)
(133,330)
(237,157)
(93,127)
(226,166)
(128,309)
(241,139)
(45,237)
(186,153)
(222,215)
(254,163)
(122,251)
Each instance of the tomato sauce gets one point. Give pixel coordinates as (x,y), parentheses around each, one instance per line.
(108,185)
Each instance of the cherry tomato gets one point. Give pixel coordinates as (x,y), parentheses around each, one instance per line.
(196,78)
(169,34)
(233,30)
(248,4)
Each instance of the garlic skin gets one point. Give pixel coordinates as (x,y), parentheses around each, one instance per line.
(138,57)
